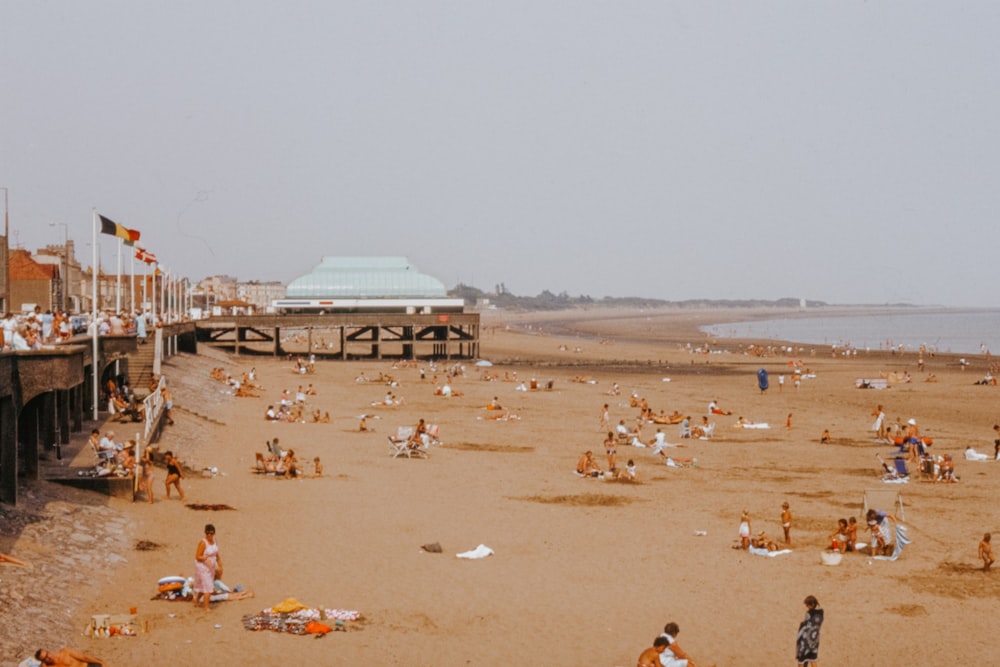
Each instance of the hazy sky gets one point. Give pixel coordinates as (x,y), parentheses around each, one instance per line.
(842,151)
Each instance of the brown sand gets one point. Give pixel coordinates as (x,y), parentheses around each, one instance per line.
(584,571)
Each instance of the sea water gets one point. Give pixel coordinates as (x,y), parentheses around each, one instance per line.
(955,331)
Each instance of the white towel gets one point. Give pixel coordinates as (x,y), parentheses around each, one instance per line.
(771,554)
(482,551)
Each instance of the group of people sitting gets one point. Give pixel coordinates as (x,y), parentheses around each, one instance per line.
(122,403)
(113,458)
(586,466)
(283,462)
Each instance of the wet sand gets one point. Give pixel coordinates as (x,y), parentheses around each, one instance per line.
(584,571)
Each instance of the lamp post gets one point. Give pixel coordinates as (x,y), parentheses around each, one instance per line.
(6,248)
(65,257)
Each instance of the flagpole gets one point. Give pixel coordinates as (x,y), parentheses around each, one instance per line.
(118,282)
(131,284)
(93,314)
(152,300)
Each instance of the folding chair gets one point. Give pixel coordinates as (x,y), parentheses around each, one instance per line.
(433,435)
(399,445)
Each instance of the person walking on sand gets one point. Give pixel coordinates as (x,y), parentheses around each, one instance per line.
(605,422)
(986,552)
(807,640)
(207,567)
(175,474)
(786,523)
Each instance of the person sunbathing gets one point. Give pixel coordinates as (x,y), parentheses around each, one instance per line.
(713,408)
(587,466)
(762,541)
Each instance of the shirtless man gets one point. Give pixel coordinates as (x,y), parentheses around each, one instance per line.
(587,466)
(67,657)
(986,552)
(651,656)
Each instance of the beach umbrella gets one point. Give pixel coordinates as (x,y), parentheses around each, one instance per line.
(762,379)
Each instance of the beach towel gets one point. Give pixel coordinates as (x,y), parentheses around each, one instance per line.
(901,541)
(482,551)
(759,551)
(807,641)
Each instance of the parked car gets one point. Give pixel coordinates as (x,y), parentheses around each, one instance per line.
(78,323)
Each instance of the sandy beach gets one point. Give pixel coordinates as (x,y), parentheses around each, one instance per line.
(584,571)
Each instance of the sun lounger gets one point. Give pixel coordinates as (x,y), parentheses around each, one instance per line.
(401,444)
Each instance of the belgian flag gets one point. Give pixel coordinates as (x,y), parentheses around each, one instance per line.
(111,227)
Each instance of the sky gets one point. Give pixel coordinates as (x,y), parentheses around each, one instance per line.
(840,151)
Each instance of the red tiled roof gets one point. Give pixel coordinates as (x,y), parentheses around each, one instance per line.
(23,267)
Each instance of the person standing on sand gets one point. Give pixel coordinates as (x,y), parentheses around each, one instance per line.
(786,523)
(611,450)
(605,422)
(207,567)
(745,530)
(807,640)
(879,425)
(986,552)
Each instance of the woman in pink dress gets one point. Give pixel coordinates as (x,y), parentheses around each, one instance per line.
(207,567)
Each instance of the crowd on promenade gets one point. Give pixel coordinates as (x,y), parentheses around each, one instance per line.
(32,330)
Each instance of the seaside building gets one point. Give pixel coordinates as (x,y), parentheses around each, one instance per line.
(365,278)
(260,294)
(356,308)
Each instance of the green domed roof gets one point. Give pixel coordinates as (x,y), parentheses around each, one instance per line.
(365,278)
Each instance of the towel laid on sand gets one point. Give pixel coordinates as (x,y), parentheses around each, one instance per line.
(771,554)
(482,551)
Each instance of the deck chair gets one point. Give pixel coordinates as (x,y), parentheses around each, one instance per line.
(896,471)
(709,430)
(399,445)
(433,435)
(685,430)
